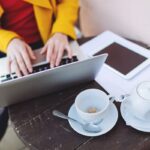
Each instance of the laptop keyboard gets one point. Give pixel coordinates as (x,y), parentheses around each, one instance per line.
(39,68)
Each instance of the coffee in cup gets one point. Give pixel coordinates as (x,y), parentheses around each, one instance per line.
(92,105)
(140,101)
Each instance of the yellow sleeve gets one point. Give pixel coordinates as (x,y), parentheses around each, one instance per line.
(5,38)
(67,13)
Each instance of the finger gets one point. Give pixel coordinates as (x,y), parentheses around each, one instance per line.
(27,60)
(44,49)
(49,51)
(21,63)
(60,55)
(69,51)
(30,52)
(15,66)
(9,65)
(54,55)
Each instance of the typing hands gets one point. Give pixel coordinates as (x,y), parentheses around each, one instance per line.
(20,54)
(55,47)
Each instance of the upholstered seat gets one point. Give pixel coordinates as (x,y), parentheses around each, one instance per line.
(129,18)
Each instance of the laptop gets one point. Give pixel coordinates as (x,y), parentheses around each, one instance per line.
(45,81)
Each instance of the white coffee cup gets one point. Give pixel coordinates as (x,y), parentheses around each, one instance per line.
(92,98)
(140,101)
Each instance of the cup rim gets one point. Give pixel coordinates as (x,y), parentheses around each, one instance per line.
(92,114)
(138,91)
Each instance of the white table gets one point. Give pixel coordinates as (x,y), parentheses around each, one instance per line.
(111,81)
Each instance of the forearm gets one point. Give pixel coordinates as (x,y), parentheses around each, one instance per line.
(67,13)
(5,38)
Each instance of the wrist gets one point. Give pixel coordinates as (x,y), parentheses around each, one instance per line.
(60,34)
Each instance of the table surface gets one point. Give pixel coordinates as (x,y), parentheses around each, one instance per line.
(40,130)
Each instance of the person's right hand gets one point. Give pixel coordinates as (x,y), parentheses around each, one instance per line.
(19,56)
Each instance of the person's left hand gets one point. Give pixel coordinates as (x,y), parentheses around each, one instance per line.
(55,47)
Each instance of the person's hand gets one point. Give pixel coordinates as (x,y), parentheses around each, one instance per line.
(55,47)
(19,56)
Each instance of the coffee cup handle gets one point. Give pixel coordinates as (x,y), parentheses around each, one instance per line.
(111,98)
(121,98)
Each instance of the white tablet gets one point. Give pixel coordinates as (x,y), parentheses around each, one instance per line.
(128,62)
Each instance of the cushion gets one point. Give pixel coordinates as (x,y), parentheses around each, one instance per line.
(128,18)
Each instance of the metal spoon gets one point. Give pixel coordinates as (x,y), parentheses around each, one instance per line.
(90,127)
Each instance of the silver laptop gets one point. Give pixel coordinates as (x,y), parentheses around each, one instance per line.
(50,80)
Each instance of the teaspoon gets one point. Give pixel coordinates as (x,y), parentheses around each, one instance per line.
(89,127)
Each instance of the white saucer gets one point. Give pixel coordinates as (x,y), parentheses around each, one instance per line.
(107,124)
(131,120)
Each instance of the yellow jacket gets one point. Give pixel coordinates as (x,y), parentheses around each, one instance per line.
(64,11)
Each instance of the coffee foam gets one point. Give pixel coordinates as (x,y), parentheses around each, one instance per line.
(144,90)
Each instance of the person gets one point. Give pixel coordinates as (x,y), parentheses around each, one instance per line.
(31,24)
(127,18)
(26,25)
(3,121)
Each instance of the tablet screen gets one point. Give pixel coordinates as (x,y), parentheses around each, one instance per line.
(125,59)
